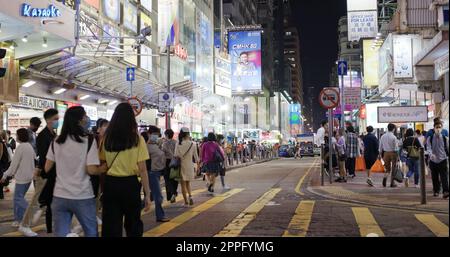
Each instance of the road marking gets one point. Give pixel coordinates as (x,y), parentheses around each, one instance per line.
(179,198)
(366,222)
(433,224)
(235,227)
(179,220)
(300,222)
(297,188)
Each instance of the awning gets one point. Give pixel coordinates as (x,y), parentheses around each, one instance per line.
(433,50)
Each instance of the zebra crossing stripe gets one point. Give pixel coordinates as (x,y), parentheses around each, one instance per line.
(433,224)
(366,222)
(298,227)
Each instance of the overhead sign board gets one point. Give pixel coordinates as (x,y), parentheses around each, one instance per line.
(402,114)
(165,102)
(50,12)
(329,98)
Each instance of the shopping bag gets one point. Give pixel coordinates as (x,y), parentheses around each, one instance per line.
(378,167)
(398,174)
(360,164)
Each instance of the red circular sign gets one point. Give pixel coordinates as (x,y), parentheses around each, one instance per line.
(329,98)
(136,104)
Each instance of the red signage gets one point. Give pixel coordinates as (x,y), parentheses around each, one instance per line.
(181,52)
(362,112)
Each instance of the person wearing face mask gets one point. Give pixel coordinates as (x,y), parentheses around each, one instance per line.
(156,171)
(437,148)
(43,142)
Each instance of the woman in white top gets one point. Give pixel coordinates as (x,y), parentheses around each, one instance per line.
(186,150)
(76,156)
(22,169)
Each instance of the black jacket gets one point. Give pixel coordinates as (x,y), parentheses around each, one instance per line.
(371,146)
(43,143)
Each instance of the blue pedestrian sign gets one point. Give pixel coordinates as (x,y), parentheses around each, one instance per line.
(342,68)
(131,74)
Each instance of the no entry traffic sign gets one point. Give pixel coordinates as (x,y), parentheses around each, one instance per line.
(136,104)
(329,98)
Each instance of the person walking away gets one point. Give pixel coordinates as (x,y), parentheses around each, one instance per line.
(187,151)
(43,142)
(371,152)
(155,171)
(389,147)
(351,150)
(169,150)
(437,145)
(51,117)
(125,153)
(11,142)
(35,123)
(22,169)
(75,155)
(5,159)
(341,155)
(222,171)
(210,151)
(412,145)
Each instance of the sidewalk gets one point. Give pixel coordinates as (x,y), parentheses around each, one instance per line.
(357,191)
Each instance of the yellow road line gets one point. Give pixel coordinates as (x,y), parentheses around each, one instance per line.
(235,227)
(178,199)
(179,220)
(433,224)
(297,188)
(366,222)
(300,222)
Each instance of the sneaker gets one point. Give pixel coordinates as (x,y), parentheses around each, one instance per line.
(173,199)
(37,216)
(191,202)
(436,194)
(15,224)
(406,182)
(26,231)
(338,180)
(226,187)
(384,182)
(72,235)
(446,195)
(369,182)
(393,185)
(417,186)
(163,220)
(77,229)
(99,221)
(353,176)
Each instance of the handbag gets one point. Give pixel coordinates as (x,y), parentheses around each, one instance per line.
(413,151)
(378,167)
(398,175)
(175,173)
(218,155)
(176,161)
(360,164)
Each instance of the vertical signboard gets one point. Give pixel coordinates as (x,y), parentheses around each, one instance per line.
(245,51)
(403,56)
(168,22)
(371,61)
(204,51)
(223,77)
(362,25)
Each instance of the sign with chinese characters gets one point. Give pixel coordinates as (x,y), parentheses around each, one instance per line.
(403,56)
(402,114)
(91,112)
(352,97)
(362,24)
(36,103)
(50,12)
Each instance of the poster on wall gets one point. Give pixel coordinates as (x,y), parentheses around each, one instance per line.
(168,23)
(146,58)
(371,61)
(130,16)
(362,24)
(111,9)
(146,21)
(20,118)
(245,51)
(91,112)
(130,53)
(403,56)
(147,4)
(294,114)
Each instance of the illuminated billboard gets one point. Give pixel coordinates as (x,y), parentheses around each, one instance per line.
(371,62)
(168,23)
(246,68)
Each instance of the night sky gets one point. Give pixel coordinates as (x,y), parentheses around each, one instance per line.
(317,22)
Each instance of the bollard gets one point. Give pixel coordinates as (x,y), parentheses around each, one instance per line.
(322,175)
(423,193)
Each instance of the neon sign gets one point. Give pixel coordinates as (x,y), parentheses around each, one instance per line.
(49,12)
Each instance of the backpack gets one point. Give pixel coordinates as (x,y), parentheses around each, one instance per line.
(5,159)
(445,142)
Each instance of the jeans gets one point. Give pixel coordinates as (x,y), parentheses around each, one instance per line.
(39,184)
(413,167)
(84,211)
(155,187)
(20,204)
(439,175)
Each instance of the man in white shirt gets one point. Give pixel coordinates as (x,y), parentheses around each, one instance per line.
(321,132)
(389,147)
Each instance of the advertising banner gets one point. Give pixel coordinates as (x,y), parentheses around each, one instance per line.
(403,56)
(168,23)
(111,9)
(371,62)
(36,103)
(353,79)
(352,97)
(146,21)
(130,16)
(223,77)
(402,114)
(204,52)
(362,25)
(246,67)
(146,58)
(294,114)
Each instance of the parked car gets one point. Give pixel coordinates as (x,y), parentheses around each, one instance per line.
(306,149)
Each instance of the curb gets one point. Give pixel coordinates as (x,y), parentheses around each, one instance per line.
(249,164)
(310,190)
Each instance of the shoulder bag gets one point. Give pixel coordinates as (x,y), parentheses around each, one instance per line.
(175,169)
(413,151)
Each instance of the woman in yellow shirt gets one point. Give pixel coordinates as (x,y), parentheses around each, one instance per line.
(125,153)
